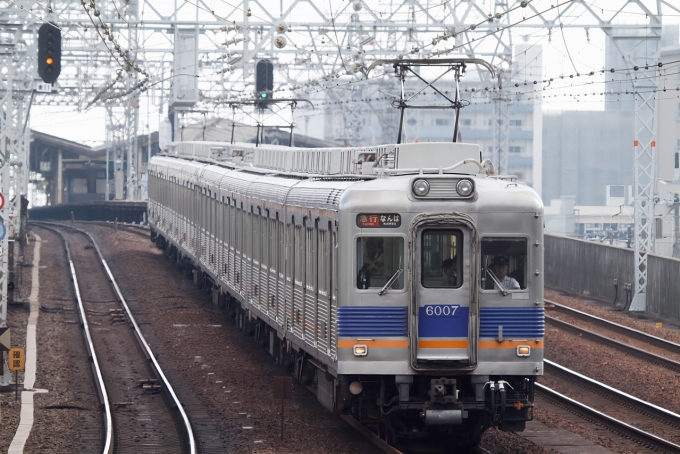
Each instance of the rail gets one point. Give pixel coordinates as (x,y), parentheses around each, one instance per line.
(149,353)
(631,332)
(101,387)
(607,420)
(625,428)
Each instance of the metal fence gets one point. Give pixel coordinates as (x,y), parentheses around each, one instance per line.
(603,271)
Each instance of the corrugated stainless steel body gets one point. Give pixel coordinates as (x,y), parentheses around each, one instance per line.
(289,247)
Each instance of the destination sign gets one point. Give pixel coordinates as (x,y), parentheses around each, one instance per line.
(378,220)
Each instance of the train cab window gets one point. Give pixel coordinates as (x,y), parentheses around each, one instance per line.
(441,259)
(504,262)
(379,260)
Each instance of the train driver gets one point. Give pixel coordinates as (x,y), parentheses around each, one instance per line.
(499,267)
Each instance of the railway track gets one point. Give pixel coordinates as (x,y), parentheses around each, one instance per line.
(649,425)
(141,411)
(137,229)
(652,427)
(389,449)
(644,340)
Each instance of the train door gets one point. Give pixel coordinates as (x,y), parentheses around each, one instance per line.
(196,238)
(265,253)
(290,274)
(299,281)
(222,225)
(254,280)
(248,254)
(324,282)
(231,266)
(238,232)
(281,296)
(272,294)
(311,285)
(442,287)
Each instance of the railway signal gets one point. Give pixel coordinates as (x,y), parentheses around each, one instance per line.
(264,79)
(49,52)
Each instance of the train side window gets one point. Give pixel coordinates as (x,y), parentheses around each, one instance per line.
(442,259)
(378,259)
(504,261)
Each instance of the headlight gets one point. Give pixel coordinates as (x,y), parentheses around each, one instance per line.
(464,187)
(421,188)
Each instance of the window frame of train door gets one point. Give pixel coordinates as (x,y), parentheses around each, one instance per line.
(453,221)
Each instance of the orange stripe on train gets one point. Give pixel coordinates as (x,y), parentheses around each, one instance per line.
(443,344)
(349,343)
(374,343)
(510,344)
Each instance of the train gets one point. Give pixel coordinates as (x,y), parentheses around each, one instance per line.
(403,283)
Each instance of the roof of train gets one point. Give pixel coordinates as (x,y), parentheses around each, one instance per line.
(494,194)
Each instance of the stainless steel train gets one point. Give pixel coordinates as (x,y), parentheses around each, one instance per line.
(404,283)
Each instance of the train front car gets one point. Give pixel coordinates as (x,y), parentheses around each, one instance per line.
(441,324)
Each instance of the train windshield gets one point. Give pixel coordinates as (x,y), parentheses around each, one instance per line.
(504,262)
(441,259)
(379,258)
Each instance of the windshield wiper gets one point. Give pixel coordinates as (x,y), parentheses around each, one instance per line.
(495,279)
(389,284)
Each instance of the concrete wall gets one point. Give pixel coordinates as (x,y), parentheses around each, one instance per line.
(580,266)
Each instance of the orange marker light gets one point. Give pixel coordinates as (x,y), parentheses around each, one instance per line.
(49,60)
(360,350)
(523,350)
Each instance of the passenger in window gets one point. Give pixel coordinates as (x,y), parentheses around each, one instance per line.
(364,277)
(499,267)
(374,257)
(450,272)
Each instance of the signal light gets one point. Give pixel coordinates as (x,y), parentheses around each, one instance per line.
(264,76)
(49,52)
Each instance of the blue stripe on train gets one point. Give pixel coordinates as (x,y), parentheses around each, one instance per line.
(441,325)
(373,321)
(517,322)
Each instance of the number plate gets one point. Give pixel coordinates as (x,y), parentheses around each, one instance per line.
(441,310)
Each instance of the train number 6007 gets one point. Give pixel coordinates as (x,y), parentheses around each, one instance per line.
(446,310)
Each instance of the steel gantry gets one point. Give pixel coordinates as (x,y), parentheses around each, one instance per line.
(15,100)
(117,52)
